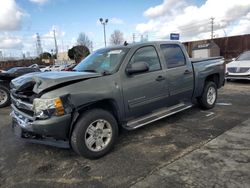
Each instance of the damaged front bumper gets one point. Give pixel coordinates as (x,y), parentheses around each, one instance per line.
(53,131)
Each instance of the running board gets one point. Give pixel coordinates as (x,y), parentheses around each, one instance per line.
(139,122)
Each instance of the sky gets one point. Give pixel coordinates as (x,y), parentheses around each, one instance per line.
(20,20)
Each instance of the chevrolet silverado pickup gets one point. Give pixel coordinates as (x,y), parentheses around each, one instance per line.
(125,86)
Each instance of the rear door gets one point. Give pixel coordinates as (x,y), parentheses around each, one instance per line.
(179,73)
(144,92)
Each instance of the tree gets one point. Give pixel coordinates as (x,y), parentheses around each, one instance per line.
(116,37)
(45,55)
(78,53)
(84,40)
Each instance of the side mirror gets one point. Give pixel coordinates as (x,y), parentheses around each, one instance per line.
(137,67)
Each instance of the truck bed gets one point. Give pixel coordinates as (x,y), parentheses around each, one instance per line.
(214,66)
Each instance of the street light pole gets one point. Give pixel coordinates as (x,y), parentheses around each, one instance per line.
(104,23)
(104,31)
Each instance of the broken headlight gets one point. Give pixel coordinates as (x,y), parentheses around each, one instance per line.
(44,108)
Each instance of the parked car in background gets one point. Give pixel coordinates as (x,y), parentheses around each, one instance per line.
(53,68)
(69,67)
(124,86)
(239,68)
(57,67)
(34,66)
(45,69)
(5,79)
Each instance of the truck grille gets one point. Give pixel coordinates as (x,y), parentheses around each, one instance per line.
(22,105)
(238,69)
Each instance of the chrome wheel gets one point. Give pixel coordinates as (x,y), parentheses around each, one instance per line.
(98,135)
(3,96)
(211,95)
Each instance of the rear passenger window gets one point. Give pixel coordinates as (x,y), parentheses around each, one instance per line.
(147,55)
(173,54)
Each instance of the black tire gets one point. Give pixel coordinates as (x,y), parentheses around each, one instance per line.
(78,136)
(4,96)
(203,100)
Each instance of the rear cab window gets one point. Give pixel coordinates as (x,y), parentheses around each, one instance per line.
(173,55)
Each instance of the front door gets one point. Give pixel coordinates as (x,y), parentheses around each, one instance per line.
(145,92)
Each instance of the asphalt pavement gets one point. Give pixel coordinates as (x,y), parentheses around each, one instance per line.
(184,150)
(222,162)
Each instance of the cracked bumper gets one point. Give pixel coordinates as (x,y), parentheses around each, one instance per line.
(56,127)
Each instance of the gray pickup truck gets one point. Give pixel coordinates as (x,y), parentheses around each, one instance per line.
(119,87)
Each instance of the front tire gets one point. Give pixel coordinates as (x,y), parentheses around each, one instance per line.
(4,96)
(209,96)
(94,134)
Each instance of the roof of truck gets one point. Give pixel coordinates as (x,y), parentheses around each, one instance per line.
(136,44)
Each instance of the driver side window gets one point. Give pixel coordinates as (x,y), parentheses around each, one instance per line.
(148,55)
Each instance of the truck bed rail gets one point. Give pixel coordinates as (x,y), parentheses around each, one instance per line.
(196,60)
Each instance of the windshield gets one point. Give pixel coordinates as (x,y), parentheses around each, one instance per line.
(102,61)
(12,70)
(243,57)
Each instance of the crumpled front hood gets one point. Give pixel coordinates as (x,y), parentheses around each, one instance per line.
(46,80)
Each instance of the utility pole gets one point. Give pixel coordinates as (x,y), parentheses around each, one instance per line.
(1,55)
(104,23)
(133,37)
(39,49)
(56,47)
(141,38)
(212,28)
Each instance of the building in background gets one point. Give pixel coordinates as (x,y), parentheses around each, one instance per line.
(62,56)
(206,50)
(230,47)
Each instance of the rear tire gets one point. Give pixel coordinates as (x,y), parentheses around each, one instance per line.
(4,96)
(209,96)
(94,134)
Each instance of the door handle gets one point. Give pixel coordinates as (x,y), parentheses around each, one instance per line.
(160,78)
(187,72)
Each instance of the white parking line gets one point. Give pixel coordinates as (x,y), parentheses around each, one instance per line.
(224,104)
(211,113)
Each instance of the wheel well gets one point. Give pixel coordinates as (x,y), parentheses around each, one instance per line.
(214,78)
(107,104)
(5,83)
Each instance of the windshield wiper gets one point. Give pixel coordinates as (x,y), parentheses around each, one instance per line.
(89,70)
(105,72)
